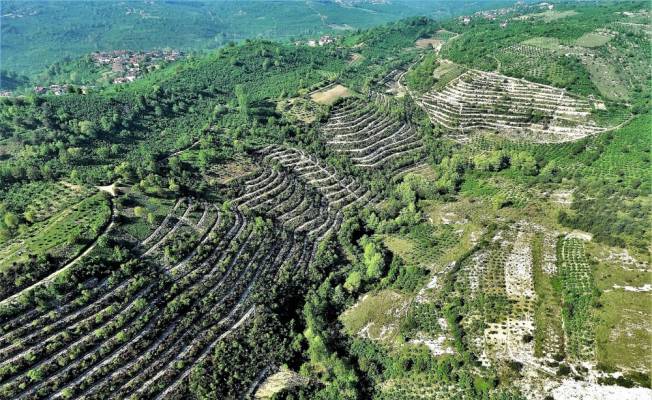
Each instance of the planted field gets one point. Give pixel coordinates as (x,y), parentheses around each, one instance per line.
(533,62)
(44,252)
(368,136)
(513,311)
(425,245)
(577,294)
(61,235)
(299,108)
(40,201)
(127,338)
(339,191)
(420,388)
(489,101)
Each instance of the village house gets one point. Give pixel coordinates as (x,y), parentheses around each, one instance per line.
(326,39)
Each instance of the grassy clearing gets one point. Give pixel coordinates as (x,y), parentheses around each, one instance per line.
(283,380)
(475,187)
(376,315)
(592,39)
(623,334)
(329,96)
(446,72)
(550,43)
(400,246)
(138,227)
(550,16)
(607,79)
(225,173)
(425,245)
(426,171)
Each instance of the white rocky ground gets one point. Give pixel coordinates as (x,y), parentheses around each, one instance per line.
(576,390)
(437,345)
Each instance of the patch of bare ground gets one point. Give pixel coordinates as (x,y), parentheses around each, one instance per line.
(562,197)
(282,380)
(576,390)
(426,43)
(329,96)
(225,173)
(356,57)
(111,189)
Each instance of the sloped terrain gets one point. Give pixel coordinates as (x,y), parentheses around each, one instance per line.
(530,111)
(368,136)
(74,350)
(427,209)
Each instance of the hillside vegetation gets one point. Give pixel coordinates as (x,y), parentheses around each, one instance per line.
(410,212)
(39,33)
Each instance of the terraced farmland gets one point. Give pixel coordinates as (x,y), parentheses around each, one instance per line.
(339,191)
(370,137)
(502,283)
(373,215)
(193,282)
(128,337)
(484,100)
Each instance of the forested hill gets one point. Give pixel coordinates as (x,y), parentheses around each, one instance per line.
(171,108)
(38,33)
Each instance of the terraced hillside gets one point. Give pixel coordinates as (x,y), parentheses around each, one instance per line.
(490,101)
(130,336)
(392,213)
(339,191)
(370,137)
(141,334)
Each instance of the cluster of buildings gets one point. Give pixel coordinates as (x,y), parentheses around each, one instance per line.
(127,65)
(58,90)
(323,41)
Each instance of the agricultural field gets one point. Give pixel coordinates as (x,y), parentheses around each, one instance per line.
(370,137)
(356,218)
(479,100)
